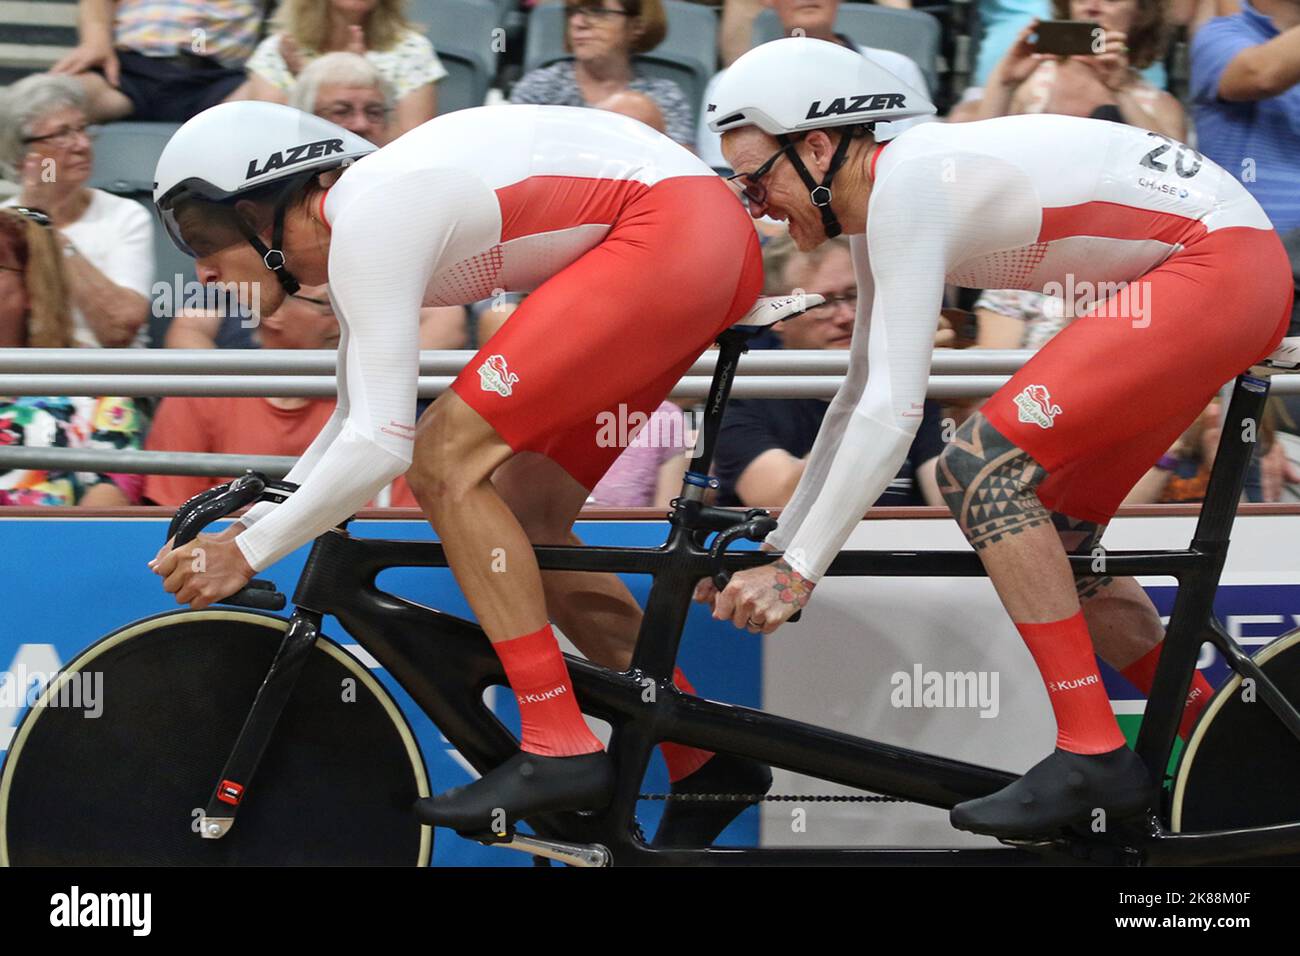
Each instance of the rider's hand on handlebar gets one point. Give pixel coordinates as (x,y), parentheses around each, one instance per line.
(761,599)
(705,591)
(208,569)
(236,528)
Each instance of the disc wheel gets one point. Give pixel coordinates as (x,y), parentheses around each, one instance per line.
(117,758)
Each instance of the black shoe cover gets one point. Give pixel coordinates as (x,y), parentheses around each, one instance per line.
(1064,789)
(522,786)
(698,823)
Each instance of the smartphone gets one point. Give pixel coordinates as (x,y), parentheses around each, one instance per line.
(1069,38)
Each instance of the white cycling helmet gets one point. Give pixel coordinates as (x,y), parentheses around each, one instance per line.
(244,150)
(799,84)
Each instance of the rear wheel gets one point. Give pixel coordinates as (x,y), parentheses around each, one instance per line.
(122,777)
(1241,766)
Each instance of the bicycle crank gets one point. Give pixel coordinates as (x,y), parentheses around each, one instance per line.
(574,854)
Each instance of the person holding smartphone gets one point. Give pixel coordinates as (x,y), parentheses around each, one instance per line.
(1042,73)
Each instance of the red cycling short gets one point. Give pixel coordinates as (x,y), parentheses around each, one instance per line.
(1108,395)
(613,332)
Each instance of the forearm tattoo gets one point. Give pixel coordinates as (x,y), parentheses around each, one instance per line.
(791,587)
(989,484)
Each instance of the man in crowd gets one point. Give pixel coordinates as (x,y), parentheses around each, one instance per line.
(254,425)
(1245,76)
(764,443)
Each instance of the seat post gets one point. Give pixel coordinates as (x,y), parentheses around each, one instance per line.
(732,343)
(1240,432)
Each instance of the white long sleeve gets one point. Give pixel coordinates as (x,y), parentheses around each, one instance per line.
(874,417)
(387,242)
(840,410)
(324,438)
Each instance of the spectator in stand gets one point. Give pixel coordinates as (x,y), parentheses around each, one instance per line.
(604,36)
(107,240)
(816,19)
(1183,473)
(1017,319)
(639,106)
(35,313)
(1246,94)
(161,60)
(253,426)
(1105,86)
(345,88)
(375,29)
(736,31)
(649,472)
(764,443)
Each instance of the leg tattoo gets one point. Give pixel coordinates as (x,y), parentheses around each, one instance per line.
(989,484)
(1081,537)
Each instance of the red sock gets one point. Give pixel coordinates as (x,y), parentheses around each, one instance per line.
(1085,723)
(682,760)
(1142,672)
(552,724)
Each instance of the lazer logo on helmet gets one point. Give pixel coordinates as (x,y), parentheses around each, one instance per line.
(864,103)
(295,154)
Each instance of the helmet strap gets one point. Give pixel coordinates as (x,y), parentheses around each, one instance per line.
(820,194)
(273,258)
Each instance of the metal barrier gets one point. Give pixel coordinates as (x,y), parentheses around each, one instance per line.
(968,373)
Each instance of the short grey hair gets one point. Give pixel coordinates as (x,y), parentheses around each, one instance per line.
(23,104)
(337,69)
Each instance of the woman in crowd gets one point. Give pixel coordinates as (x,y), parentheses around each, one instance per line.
(375,29)
(1106,85)
(347,89)
(107,241)
(35,313)
(604,36)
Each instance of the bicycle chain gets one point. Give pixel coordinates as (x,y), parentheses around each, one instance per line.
(769,798)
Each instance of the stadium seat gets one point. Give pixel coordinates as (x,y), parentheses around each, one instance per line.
(462,33)
(424,12)
(905,31)
(125,157)
(126,154)
(168,263)
(688,55)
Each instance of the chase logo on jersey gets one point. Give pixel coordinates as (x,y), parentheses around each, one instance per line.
(1034,405)
(865,103)
(494,376)
(295,154)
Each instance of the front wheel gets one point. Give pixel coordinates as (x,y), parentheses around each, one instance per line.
(1241,766)
(116,759)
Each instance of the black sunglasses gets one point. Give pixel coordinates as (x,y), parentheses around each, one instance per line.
(754,191)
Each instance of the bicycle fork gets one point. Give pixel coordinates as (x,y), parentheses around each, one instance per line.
(236,776)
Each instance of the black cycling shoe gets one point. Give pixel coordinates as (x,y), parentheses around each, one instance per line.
(522,786)
(698,823)
(1064,789)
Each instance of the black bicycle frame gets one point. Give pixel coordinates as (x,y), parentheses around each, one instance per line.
(445,664)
